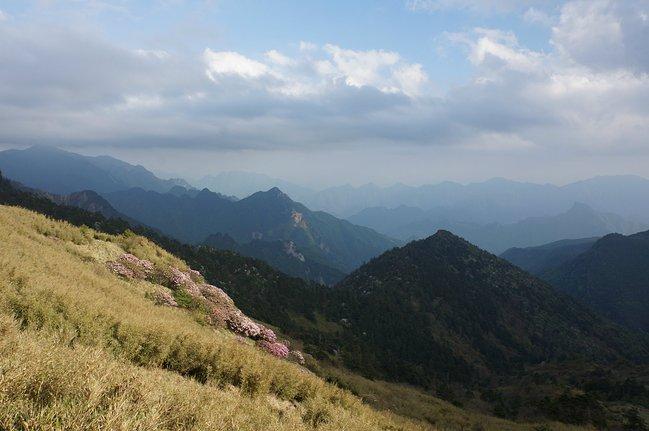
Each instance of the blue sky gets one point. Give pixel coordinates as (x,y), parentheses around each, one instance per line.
(328,92)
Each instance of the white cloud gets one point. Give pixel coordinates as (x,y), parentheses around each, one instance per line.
(604,35)
(471,5)
(278,58)
(576,97)
(306,75)
(537,16)
(307,46)
(411,79)
(3,16)
(495,49)
(361,68)
(232,63)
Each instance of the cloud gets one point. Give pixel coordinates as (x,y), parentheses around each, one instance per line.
(308,74)
(492,6)
(604,35)
(278,58)
(3,16)
(537,16)
(232,63)
(65,86)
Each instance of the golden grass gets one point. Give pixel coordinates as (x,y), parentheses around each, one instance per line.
(84,349)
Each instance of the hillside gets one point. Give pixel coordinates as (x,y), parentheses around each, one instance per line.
(61,172)
(134,356)
(267,216)
(282,255)
(537,260)
(611,277)
(459,309)
(120,348)
(298,309)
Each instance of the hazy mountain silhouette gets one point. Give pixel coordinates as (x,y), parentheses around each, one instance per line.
(56,171)
(579,221)
(243,184)
(494,201)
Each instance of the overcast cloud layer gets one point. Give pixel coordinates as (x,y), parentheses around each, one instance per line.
(294,109)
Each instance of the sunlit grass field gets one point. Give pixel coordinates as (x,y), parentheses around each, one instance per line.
(82,349)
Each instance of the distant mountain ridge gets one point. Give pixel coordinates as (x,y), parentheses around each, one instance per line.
(495,200)
(578,222)
(61,172)
(243,184)
(266,216)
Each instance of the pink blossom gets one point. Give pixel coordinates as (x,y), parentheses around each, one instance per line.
(179,278)
(241,324)
(162,297)
(267,334)
(278,350)
(141,268)
(119,269)
(214,294)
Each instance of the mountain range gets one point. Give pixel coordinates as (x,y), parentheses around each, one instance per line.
(439,313)
(267,225)
(243,184)
(61,172)
(266,216)
(578,222)
(450,310)
(496,200)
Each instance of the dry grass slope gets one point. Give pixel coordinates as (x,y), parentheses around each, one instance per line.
(83,349)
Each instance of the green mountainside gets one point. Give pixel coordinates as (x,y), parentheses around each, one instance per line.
(267,216)
(611,277)
(537,260)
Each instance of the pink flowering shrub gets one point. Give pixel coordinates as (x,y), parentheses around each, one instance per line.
(130,266)
(120,269)
(162,297)
(278,350)
(242,325)
(179,278)
(296,356)
(130,259)
(215,295)
(267,334)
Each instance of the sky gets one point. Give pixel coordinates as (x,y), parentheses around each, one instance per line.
(332,92)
